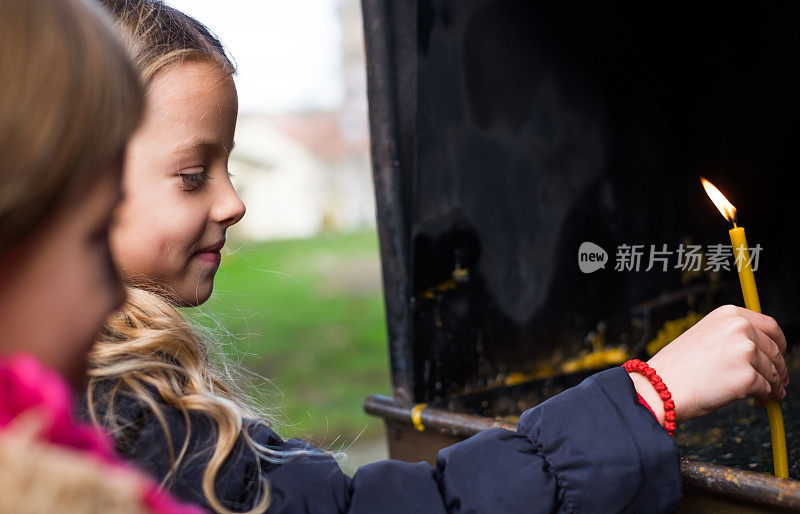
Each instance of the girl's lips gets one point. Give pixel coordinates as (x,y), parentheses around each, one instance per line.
(210,254)
(210,257)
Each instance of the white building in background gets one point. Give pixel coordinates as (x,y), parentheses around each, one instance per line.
(279,181)
(302,173)
(299,176)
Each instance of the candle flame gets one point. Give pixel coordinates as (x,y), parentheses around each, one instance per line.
(725,207)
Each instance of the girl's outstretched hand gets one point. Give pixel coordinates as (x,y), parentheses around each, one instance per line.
(730,354)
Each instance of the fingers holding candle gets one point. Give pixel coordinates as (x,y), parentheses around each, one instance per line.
(772,355)
(728,355)
(770,341)
(765,324)
(769,382)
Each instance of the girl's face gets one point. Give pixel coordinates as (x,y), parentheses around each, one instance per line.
(179,199)
(57,288)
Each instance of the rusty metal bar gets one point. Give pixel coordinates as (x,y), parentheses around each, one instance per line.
(452,423)
(743,485)
(731,483)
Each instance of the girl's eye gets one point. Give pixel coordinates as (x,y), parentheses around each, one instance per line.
(193,181)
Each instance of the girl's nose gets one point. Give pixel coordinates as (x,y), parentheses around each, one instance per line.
(228,207)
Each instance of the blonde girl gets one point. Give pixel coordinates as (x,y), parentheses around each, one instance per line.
(149,365)
(594,448)
(69,100)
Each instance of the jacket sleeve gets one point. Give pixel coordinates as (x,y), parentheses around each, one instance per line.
(593,448)
(606,449)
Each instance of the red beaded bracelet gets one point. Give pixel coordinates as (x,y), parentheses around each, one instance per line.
(637,366)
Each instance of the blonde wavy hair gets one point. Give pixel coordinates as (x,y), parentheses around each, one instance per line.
(148,346)
(69,100)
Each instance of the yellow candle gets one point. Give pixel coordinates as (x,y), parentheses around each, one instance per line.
(742,260)
(748,281)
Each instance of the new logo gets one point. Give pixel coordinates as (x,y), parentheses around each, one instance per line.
(591,257)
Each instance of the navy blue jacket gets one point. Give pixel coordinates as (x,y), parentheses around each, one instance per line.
(593,448)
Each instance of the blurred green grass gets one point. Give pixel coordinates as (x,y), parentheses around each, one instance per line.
(307,315)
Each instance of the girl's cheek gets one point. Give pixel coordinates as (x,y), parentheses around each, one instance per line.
(189,225)
(156,239)
(167,246)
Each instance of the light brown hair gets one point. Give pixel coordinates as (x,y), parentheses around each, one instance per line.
(69,101)
(160,35)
